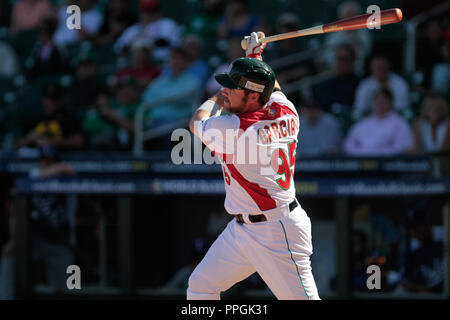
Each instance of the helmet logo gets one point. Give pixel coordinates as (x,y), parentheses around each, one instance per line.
(254,86)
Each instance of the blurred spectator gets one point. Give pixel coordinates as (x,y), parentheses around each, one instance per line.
(440,76)
(194,46)
(55,127)
(46,57)
(234,51)
(238,21)
(9,64)
(432,129)
(91,21)
(52,220)
(360,39)
(382,76)
(428,52)
(320,133)
(136,30)
(117,19)
(337,93)
(174,81)
(109,124)
(204,23)
(163,32)
(424,267)
(288,22)
(86,86)
(382,133)
(142,69)
(29,14)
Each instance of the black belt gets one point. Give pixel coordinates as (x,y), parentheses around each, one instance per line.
(261,217)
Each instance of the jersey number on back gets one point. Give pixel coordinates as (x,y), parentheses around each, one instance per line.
(286,166)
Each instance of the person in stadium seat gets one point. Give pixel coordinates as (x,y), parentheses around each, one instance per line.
(142,68)
(163,32)
(198,67)
(55,127)
(238,21)
(440,75)
(29,14)
(428,50)
(320,132)
(360,40)
(87,84)
(174,80)
(337,94)
(109,124)
(91,21)
(204,22)
(116,19)
(383,133)
(381,76)
(432,128)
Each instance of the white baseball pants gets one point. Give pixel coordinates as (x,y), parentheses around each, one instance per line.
(278,250)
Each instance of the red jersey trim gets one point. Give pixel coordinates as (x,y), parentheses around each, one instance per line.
(260,195)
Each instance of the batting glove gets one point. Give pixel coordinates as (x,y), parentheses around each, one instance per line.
(255,48)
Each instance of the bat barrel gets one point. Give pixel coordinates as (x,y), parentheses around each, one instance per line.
(365,21)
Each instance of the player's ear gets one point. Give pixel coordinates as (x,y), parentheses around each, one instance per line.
(254,97)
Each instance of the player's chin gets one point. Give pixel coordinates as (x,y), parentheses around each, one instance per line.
(232,110)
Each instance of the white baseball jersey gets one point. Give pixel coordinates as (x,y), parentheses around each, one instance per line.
(258,155)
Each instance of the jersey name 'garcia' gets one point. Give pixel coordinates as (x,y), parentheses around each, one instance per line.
(257,152)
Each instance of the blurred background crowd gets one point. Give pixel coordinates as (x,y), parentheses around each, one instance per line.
(80,89)
(359,93)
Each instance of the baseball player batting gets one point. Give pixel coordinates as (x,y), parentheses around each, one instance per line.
(270,232)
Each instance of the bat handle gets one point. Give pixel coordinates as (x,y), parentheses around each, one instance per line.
(244,44)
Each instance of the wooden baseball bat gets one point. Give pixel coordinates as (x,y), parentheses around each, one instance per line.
(358,22)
